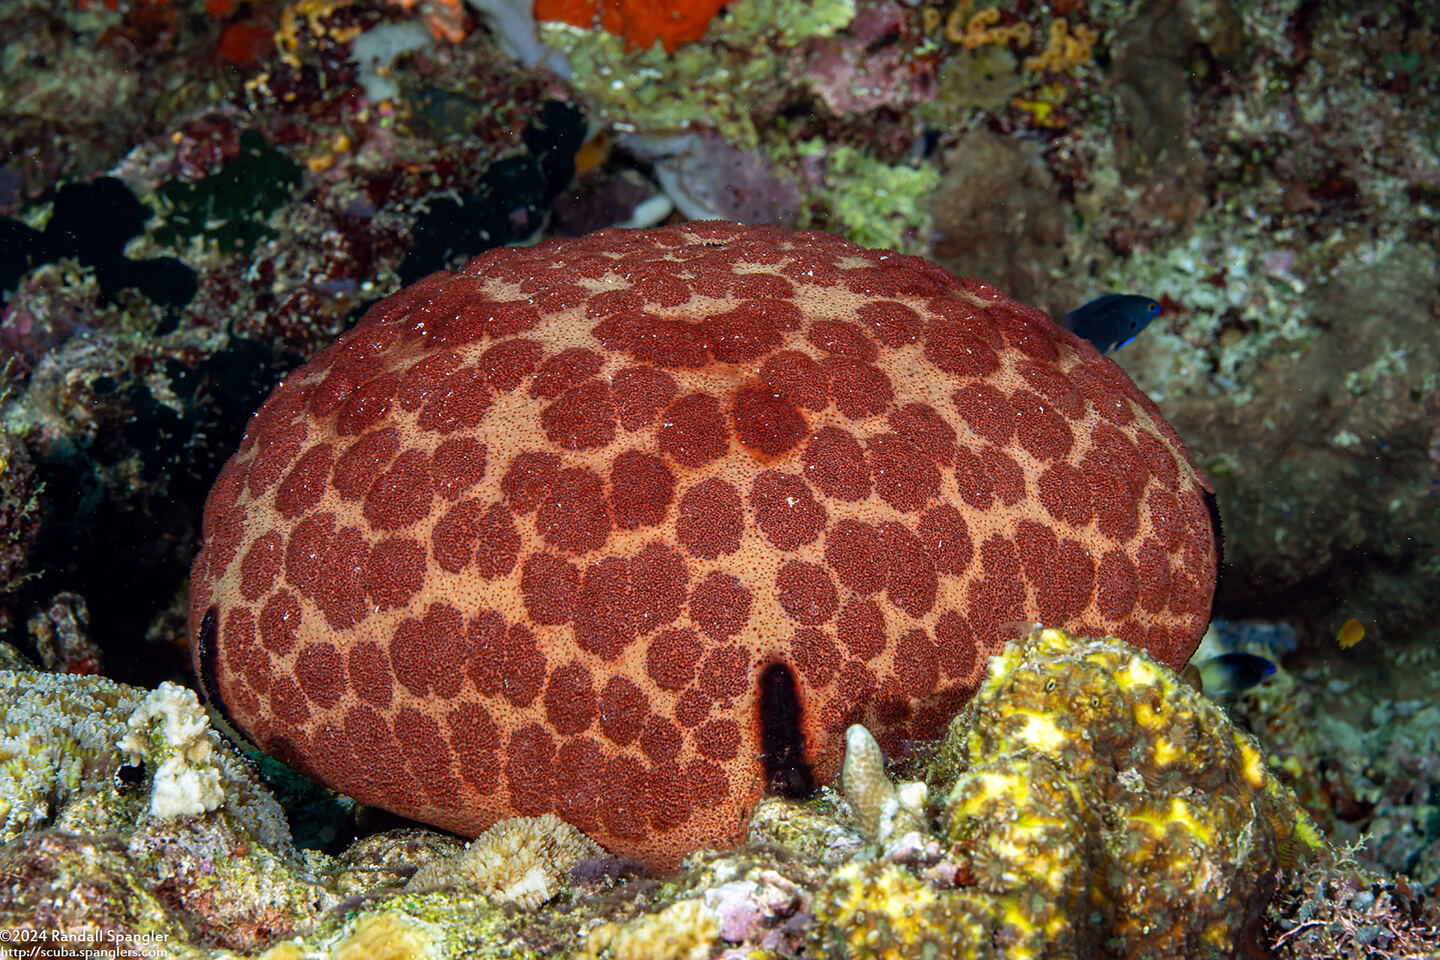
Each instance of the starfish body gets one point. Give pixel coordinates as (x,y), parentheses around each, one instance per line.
(631,528)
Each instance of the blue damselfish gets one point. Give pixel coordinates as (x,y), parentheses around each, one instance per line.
(1233,673)
(1113,320)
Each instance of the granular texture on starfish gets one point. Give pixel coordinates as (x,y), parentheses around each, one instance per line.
(630,528)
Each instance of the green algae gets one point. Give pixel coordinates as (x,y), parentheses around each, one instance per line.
(870,202)
(718,82)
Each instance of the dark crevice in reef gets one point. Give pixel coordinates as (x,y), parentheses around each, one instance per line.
(142,481)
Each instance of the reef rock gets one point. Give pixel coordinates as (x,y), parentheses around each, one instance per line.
(129,823)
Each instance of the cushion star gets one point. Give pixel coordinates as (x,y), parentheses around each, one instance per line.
(630,528)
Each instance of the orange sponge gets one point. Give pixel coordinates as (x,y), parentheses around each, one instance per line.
(640,22)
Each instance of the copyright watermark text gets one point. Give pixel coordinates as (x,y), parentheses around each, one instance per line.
(22,943)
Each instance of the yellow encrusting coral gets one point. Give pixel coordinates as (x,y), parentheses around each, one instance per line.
(880,910)
(1090,798)
(385,936)
(1045,106)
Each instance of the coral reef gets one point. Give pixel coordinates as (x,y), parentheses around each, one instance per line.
(709,179)
(19,513)
(83,86)
(1013,243)
(101,790)
(810,831)
(1358,739)
(1090,800)
(1266,170)
(1364,406)
(717,85)
(230,206)
(68,738)
(874,202)
(59,735)
(1340,912)
(71,234)
(384,863)
(1316,202)
(484,558)
(718,140)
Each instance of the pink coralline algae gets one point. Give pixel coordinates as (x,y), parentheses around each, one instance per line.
(866,68)
(630,528)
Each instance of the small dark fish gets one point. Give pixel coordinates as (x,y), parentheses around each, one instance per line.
(1111,321)
(1232,673)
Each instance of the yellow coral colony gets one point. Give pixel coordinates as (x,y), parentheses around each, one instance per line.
(685,930)
(1193,805)
(1085,796)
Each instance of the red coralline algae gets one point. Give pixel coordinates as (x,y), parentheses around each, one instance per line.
(545,533)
